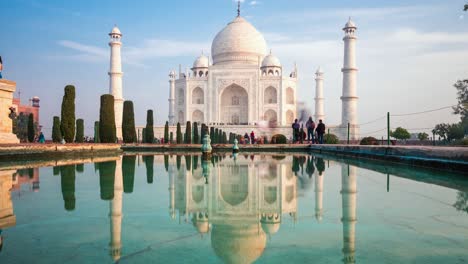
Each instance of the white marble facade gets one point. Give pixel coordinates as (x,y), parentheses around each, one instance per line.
(243,84)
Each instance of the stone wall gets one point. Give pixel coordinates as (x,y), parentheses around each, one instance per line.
(7,88)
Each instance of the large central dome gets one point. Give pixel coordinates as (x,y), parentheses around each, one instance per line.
(238,42)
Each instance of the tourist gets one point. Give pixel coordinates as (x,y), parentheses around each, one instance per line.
(252,137)
(41,138)
(295,127)
(320,131)
(1,67)
(310,130)
(246,138)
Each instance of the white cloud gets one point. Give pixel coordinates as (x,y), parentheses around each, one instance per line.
(137,56)
(253,3)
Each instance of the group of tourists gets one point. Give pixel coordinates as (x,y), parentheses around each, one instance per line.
(249,139)
(313,134)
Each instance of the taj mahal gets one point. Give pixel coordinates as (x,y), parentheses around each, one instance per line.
(243,86)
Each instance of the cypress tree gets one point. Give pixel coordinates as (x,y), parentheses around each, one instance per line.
(56,134)
(79,131)
(67,182)
(178,160)
(31,132)
(224,138)
(149,127)
(96,132)
(188,162)
(149,163)
(171,137)
(67,125)
(166,132)
(107,133)
(212,133)
(128,173)
(107,179)
(128,123)
(166,162)
(178,134)
(203,131)
(143,136)
(196,138)
(188,133)
(80,168)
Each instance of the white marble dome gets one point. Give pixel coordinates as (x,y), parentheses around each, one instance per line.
(238,42)
(271,61)
(201,62)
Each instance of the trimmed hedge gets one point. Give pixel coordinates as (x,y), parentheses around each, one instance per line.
(149,135)
(31,132)
(56,133)
(107,133)
(330,139)
(79,131)
(369,141)
(188,133)
(166,132)
(128,123)
(178,134)
(278,139)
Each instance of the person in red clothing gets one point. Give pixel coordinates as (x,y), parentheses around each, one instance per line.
(252,137)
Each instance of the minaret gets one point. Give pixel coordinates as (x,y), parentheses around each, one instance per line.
(319,109)
(115,77)
(318,195)
(115,214)
(348,196)
(172,76)
(349,96)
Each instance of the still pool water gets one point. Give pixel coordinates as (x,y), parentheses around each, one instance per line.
(243,209)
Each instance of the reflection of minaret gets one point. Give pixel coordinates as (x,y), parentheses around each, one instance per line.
(116,214)
(348,195)
(171,191)
(319,195)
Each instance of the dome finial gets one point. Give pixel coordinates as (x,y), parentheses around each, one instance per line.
(238,8)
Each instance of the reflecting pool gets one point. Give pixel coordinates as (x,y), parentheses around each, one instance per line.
(232,209)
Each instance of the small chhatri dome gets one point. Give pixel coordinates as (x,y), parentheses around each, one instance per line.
(350,24)
(201,62)
(319,70)
(239,41)
(271,61)
(115,31)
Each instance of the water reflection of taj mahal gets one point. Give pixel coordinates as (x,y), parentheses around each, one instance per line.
(243,203)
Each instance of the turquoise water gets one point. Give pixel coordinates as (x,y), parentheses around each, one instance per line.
(262,209)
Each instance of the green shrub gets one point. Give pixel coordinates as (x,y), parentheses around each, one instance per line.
(128,123)
(56,134)
(369,141)
(107,133)
(79,131)
(330,139)
(278,139)
(149,135)
(171,137)
(67,126)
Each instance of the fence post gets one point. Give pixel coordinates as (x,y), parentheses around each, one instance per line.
(388,128)
(348,133)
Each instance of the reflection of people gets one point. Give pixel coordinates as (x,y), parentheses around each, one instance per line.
(1,67)
(320,164)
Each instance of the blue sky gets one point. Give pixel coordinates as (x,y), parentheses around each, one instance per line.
(409,52)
